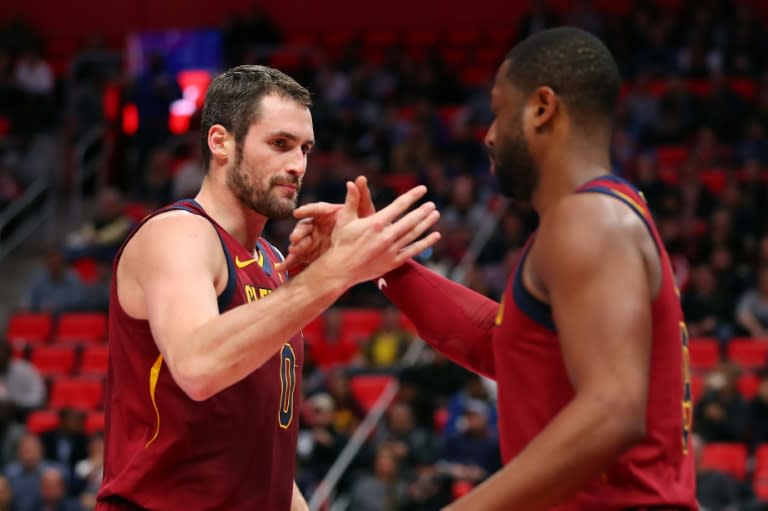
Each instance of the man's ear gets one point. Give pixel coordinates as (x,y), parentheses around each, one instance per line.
(220,143)
(546,104)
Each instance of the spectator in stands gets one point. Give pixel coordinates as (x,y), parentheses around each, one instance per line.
(53,493)
(472,454)
(474,389)
(348,412)
(384,490)
(68,443)
(754,144)
(321,441)
(752,310)
(11,430)
(647,180)
(23,384)
(388,343)
(88,472)
(55,288)
(758,412)
(33,74)
(158,183)
(190,173)
(25,475)
(722,414)
(539,17)
(706,309)
(411,444)
(101,236)
(6,495)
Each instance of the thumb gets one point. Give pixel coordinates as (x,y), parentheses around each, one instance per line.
(349,210)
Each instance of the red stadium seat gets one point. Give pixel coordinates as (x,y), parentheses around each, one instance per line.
(313,329)
(87,269)
(463,37)
(94,423)
(760,478)
(368,387)
(29,327)
(136,210)
(750,354)
(95,360)
(54,360)
(671,156)
(748,385)
(42,420)
(713,179)
(697,386)
(359,324)
(704,354)
(81,326)
(421,38)
(82,393)
(728,458)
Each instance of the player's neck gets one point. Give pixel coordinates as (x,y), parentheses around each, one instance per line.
(565,169)
(221,204)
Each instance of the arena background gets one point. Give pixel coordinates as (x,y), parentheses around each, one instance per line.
(99,105)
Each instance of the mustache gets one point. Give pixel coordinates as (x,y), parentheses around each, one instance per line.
(289,180)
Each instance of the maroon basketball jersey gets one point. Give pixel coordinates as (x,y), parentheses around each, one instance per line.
(658,471)
(233,451)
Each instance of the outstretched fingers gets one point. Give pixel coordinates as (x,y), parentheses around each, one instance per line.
(400,205)
(417,247)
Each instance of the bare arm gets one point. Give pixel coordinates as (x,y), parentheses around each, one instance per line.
(298,502)
(466,337)
(605,335)
(207,351)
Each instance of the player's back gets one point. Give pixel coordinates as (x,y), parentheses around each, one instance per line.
(658,471)
(233,451)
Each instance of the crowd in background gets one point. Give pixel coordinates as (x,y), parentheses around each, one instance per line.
(402,119)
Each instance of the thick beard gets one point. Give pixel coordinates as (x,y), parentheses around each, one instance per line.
(515,172)
(261,199)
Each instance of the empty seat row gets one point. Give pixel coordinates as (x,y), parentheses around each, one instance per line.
(65,359)
(750,354)
(69,327)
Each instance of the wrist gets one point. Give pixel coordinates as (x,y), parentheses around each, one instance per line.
(330,273)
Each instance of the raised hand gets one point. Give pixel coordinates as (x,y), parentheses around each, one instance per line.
(362,249)
(311,236)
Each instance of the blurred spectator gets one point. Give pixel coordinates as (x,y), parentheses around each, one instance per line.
(25,475)
(754,144)
(348,411)
(705,308)
(55,288)
(158,183)
(68,443)
(101,236)
(721,415)
(752,309)
(190,173)
(472,454)
(384,490)
(758,412)
(648,181)
(33,74)
(88,472)
(11,431)
(389,342)
(53,493)
(320,442)
(23,384)
(411,444)
(474,390)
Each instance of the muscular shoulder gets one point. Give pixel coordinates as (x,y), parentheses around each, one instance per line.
(180,237)
(586,230)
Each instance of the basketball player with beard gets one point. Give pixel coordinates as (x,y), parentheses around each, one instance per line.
(206,349)
(588,344)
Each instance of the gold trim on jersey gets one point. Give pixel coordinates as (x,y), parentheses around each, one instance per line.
(154,375)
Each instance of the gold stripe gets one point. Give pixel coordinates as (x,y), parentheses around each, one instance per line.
(154,375)
(633,202)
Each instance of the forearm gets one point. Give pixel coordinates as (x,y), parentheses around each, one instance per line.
(575,448)
(454,319)
(227,348)
(751,324)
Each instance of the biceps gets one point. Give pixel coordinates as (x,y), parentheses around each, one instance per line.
(177,306)
(604,323)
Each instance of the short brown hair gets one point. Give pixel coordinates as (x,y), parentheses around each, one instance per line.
(234,97)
